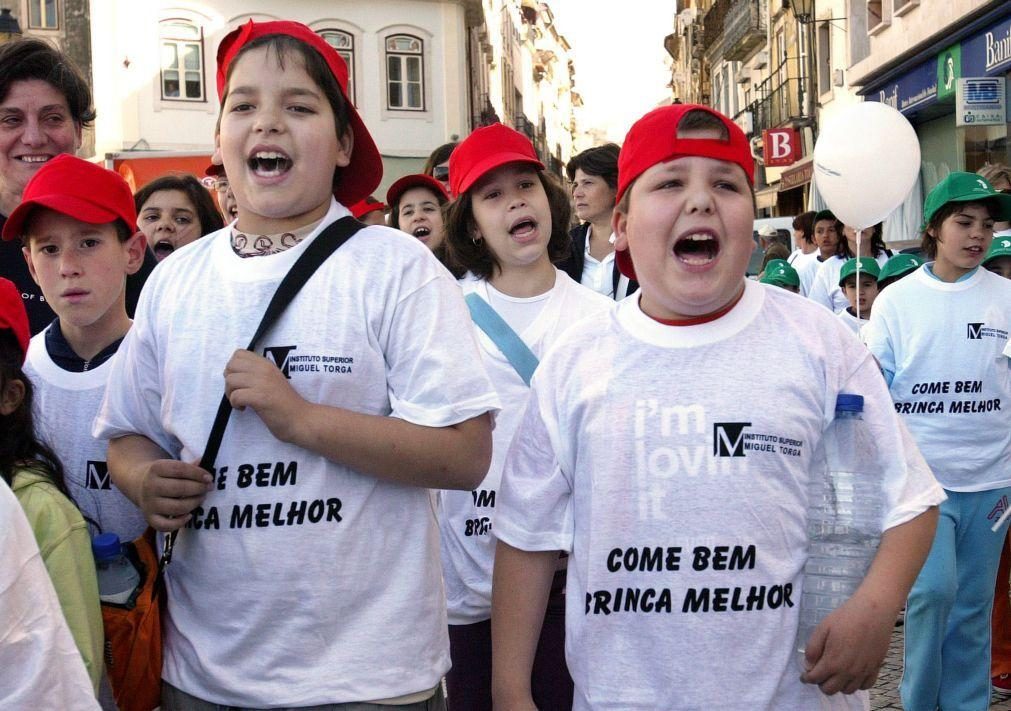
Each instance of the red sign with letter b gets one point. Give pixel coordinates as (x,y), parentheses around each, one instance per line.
(782,147)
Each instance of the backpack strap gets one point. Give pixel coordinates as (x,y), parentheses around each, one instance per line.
(325,244)
(519,355)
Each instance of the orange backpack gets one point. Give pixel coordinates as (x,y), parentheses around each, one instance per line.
(133,650)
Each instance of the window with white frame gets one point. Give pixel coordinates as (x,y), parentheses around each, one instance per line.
(344,43)
(43,14)
(405,84)
(182,61)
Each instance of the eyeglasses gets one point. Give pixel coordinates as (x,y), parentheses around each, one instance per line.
(441,172)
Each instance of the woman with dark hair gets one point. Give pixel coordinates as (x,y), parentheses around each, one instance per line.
(45,104)
(593,175)
(173,211)
(825,289)
(437,164)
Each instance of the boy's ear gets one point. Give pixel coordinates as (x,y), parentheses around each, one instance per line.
(216,155)
(135,248)
(12,396)
(27,252)
(345,145)
(619,225)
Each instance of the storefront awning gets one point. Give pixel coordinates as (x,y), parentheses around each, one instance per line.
(766,198)
(139,168)
(798,174)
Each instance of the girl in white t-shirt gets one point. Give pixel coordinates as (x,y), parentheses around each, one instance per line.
(825,288)
(506,227)
(941,337)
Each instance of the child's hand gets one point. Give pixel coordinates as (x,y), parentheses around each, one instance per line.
(253,381)
(170,490)
(847,649)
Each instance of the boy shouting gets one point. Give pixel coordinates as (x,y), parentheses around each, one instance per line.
(677,480)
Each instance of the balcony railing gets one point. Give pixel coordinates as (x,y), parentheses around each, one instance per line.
(744,29)
(777,100)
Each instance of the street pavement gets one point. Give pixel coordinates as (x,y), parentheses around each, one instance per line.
(885,695)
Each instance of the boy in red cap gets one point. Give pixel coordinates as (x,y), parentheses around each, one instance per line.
(677,479)
(308,572)
(78,226)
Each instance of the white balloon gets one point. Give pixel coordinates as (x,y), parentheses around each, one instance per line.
(865,162)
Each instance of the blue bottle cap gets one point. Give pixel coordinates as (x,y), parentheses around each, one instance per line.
(106,546)
(846,402)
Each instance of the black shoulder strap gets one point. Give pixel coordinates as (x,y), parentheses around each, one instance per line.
(301,271)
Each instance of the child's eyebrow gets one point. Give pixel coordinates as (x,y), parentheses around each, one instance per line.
(292,91)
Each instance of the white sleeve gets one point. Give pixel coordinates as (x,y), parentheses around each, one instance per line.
(133,394)
(821,291)
(40,666)
(878,337)
(806,272)
(434,371)
(909,485)
(534,510)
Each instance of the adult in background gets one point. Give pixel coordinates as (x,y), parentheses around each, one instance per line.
(593,175)
(45,104)
(437,164)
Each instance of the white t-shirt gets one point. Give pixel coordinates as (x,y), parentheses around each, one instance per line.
(65,405)
(40,666)
(300,581)
(807,269)
(467,517)
(825,289)
(798,257)
(947,345)
(674,465)
(855,324)
(517,311)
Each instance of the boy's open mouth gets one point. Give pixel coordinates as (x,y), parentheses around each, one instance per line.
(163,248)
(269,164)
(697,249)
(421,232)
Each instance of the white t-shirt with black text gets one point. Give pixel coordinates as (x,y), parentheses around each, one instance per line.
(467,517)
(300,581)
(64,406)
(946,344)
(674,465)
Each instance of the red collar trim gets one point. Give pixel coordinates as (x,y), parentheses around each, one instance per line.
(698,320)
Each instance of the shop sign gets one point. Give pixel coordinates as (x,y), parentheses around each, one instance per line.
(782,147)
(949,71)
(797,176)
(980,101)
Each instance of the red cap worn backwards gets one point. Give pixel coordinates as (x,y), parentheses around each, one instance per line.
(418,180)
(13,315)
(654,139)
(364,207)
(77,188)
(362,175)
(484,150)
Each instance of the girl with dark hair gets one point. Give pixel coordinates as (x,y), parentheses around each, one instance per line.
(825,289)
(173,211)
(33,471)
(506,227)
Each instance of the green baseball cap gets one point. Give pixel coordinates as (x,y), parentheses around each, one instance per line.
(1000,247)
(867,266)
(780,273)
(900,265)
(965,187)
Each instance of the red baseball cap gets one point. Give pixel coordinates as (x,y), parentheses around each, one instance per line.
(77,188)
(653,139)
(484,150)
(418,180)
(362,175)
(13,315)
(364,207)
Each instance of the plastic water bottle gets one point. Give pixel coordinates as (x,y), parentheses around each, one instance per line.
(117,576)
(845,513)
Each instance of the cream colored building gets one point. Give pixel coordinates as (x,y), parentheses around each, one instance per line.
(414,66)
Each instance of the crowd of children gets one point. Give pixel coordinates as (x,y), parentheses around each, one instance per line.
(457,473)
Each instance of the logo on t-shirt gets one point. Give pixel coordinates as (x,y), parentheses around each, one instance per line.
(978,331)
(280,356)
(728,438)
(97,476)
